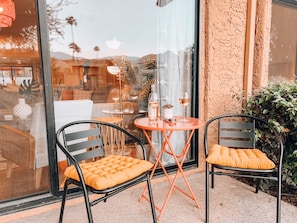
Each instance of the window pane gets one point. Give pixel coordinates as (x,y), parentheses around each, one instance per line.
(283,39)
(105,51)
(113,51)
(23,145)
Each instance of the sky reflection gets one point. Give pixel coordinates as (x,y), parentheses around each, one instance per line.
(133,22)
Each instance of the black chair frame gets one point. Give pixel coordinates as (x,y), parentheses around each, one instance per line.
(97,144)
(246,135)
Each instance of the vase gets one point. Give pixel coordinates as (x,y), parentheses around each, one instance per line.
(22,110)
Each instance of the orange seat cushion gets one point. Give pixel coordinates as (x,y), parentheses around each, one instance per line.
(240,158)
(109,171)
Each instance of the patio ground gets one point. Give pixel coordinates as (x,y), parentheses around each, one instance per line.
(231,201)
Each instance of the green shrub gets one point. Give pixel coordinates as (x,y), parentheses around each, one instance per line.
(277,103)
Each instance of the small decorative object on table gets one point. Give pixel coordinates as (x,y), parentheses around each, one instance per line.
(153,104)
(167,112)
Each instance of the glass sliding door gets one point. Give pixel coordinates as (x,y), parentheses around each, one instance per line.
(111,52)
(103,51)
(23,145)
(175,68)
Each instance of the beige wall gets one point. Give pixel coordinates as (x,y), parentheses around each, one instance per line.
(223,41)
(262,43)
(222,56)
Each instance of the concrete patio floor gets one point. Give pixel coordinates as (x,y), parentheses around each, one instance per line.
(231,201)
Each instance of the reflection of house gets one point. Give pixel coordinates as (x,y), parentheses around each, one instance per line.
(59,70)
(18,58)
(69,74)
(93,75)
(96,78)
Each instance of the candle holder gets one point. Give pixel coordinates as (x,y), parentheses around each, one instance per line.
(167,112)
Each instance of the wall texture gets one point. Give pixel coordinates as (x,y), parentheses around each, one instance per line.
(222,65)
(262,40)
(225,29)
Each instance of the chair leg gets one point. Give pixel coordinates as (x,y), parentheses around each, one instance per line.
(105,200)
(279,198)
(63,201)
(257,185)
(87,203)
(149,185)
(206,193)
(212,177)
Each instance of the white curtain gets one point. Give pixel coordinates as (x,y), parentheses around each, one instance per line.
(175,45)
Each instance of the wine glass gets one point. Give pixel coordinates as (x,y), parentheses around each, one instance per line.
(184,101)
(115,101)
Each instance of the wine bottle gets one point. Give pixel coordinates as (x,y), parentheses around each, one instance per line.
(153,104)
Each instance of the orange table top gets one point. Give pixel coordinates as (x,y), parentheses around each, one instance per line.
(191,123)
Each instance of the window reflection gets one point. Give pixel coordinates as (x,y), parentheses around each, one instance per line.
(23,145)
(283,48)
(114,56)
(121,36)
(87,43)
(147,43)
(79,32)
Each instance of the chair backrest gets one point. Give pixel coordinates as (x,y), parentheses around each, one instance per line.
(243,131)
(72,110)
(65,112)
(83,140)
(240,134)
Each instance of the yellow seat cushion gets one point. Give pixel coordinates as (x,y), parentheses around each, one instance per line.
(109,171)
(240,158)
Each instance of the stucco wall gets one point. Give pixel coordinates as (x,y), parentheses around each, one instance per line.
(222,53)
(224,37)
(262,42)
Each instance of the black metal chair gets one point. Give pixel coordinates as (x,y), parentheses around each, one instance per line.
(89,168)
(235,145)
